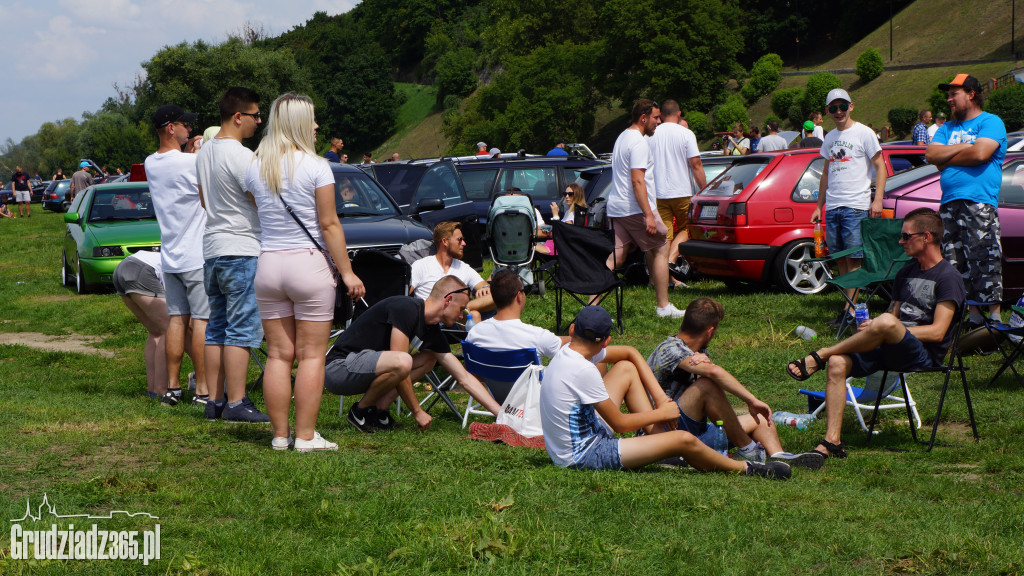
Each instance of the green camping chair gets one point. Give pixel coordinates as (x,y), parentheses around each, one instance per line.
(883,258)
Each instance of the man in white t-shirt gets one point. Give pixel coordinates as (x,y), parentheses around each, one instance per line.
(632,203)
(450,244)
(676,156)
(852,157)
(940,119)
(578,415)
(175,191)
(231,247)
(772,141)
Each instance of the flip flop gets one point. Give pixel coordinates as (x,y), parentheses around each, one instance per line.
(834,450)
(801,365)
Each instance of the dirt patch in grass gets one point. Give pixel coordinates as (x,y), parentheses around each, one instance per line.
(68,343)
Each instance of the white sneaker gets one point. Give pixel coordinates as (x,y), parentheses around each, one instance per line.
(316,444)
(670,311)
(283,442)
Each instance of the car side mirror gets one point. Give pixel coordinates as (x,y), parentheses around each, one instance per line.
(71,217)
(429,204)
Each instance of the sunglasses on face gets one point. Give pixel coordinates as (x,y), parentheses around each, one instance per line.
(254,115)
(569,194)
(837,107)
(906,236)
(454,292)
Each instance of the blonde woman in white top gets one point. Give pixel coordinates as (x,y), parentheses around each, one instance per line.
(295,287)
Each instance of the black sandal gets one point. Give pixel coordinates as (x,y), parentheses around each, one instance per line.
(834,450)
(801,365)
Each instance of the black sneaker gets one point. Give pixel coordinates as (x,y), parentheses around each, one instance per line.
(172,397)
(772,470)
(382,420)
(363,419)
(246,413)
(213,412)
(200,399)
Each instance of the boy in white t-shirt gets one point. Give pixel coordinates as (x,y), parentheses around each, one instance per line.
(852,157)
(576,412)
(174,188)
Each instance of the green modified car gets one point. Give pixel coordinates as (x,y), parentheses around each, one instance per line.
(106,223)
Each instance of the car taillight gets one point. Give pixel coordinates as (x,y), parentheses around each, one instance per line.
(736,214)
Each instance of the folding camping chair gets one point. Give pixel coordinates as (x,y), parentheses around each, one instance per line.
(954,363)
(865,398)
(497,369)
(383,276)
(581,268)
(883,258)
(1005,337)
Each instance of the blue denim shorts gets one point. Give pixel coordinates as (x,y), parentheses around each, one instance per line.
(842,229)
(907,354)
(234,316)
(702,429)
(603,453)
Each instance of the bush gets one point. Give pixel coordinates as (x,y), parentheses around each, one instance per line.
(902,119)
(765,75)
(770,118)
(783,99)
(1008,104)
(455,73)
(818,87)
(731,112)
(937,99)
(698,122)
(869,65)
(796,115)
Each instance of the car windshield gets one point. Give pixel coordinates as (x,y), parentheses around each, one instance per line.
(357,195)
(896,180)
(734,179)
(127,203)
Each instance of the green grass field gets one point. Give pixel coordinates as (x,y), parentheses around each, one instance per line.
(78,428)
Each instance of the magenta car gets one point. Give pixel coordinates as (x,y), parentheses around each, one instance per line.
(924,191)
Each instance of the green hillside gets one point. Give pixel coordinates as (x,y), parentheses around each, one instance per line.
(927,31)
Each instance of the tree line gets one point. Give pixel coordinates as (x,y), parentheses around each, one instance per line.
(522,74)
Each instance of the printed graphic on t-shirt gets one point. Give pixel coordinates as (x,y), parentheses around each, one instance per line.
(963,136)
(918,307)
(584,427)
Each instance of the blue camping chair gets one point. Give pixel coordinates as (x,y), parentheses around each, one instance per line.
(497,369)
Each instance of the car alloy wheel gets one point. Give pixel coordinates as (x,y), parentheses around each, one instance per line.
(795,271)
(80,284)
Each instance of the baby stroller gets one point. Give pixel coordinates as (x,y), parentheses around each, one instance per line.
(511,235)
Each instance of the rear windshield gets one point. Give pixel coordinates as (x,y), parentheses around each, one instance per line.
(734,179)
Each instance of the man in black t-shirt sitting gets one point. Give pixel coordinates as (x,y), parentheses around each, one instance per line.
(915,332)
(391,345)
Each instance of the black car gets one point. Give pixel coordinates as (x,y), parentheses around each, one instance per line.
(7,195)
(57,196)
(369,215)
(543,178)
(430,191)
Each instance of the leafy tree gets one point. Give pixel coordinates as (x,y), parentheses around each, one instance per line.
(455,73)
(58,146)
(546,95)
(818,87)
(937,99)
(400,26)
(195,77)
(114,140)
(783,99)
(682,49)
(1008,104)
(698,122)
(764,77)
(515,28)
(902,119)
(728,114)
(869,65)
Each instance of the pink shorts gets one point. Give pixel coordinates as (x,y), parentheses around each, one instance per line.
(632,231)
(295,283)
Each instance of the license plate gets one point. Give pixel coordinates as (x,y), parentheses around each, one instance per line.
(709,212)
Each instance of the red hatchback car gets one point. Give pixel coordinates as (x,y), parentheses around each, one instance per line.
(752,222)
(924,191)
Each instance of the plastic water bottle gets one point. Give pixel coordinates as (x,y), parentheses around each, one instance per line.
(720,442)
(806,333)
(861,312)
(470,322)
(800,421)
(819,240)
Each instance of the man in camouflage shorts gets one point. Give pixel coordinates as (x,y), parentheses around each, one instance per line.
(969,151)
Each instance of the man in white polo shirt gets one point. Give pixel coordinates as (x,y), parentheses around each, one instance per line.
(175,192)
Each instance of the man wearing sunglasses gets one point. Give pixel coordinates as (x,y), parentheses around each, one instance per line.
(915,332)
(231,247)
(851,153)
(393,344)
(969,150)
(174,187)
